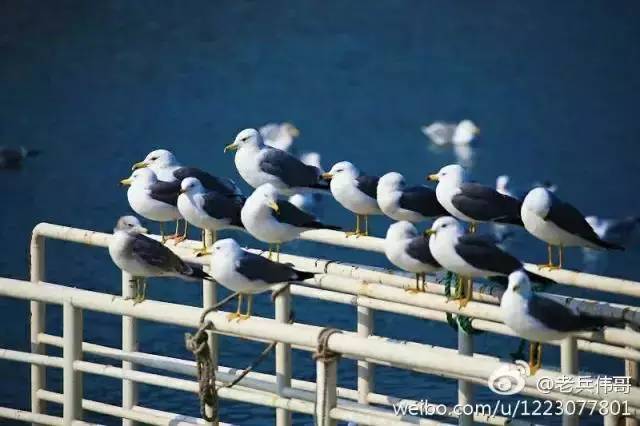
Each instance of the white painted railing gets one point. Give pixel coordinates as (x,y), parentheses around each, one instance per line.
(368,289)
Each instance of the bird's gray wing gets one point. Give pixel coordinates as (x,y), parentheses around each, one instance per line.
(255,268)
(156,255)
(289,169)
(166,192)
(368,185)
(292,215)
(557,316)
(423,200)
(221,206)
(486,204)
(480,252)
(224,186)
(418,249)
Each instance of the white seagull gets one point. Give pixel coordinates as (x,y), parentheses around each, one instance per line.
(275,221)
(409,251)
(472,202)
(279,135)
(258,164)
(209,210)
(153,199)
(618,231)
(559,224)
(144,257)
(471,256)
(540,319)
(248,273)
(442,133)
(355,192)
(413,204)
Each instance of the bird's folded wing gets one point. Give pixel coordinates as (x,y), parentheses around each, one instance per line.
(368,185)
(423,200)
(224,186)
(166,192)
(256,268)
(288,168)
(480,252)
(483,203)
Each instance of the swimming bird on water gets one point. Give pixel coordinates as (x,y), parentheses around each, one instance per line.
(143,257)
(208,209)
(276,221)
(279,135)
(153,199)
(258,164)
(558,224)
(409,250)
(12,158)
(248,274)
(442,133)
(540,319)
(413,204)
(472,202)
(356,192)
(471,256)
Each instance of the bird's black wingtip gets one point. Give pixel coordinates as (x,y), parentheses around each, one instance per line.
(303,275)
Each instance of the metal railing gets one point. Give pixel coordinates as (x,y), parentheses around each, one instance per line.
(368,289)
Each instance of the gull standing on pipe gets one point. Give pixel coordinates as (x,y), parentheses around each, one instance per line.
(153,199)
(208,210)
(472,202)
(558,224)
(144,257)
(471,256)
(275,221)
(409,250)
(413,204)
(258,164)
(248,274)
(541,319)
(355,192)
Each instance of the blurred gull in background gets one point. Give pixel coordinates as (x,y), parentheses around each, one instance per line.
(309,202)
(279,135)
(442,133)
(11,158)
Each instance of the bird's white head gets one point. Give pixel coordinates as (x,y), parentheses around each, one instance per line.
(538,201)
(452,174)
(341,169)
(519,283)
(311,159)
(156,160)
(226,247)
(191,185)
(290,129)
(466,130)
(130,225)
(244,138)
(140,177)
(391,182)
(267,195)
(501,183)
(401,231)
(445,227)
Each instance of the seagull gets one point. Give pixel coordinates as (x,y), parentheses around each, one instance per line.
(209,210)
(168,169)
(276,221)
(471,256)
(258,164)
(279,135)
(617,231)
(248,273)
(442,133)
(472,202)
(413,204)
(502,186)
(310,202)
(409,250)
(559,224)
(541,319)
(355,192)
(153,199)
(12,158)
(144,257)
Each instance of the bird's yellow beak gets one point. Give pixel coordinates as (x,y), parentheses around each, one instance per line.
(140,165)
(433,177)
(274,206)
(476,131)
(231,147)
(294,131)
(430,232)
(326,176)
(126,182)
(143,230)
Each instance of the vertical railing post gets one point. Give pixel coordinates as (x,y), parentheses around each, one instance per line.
(209,299)
(38,373)
(569,365)
(283,355)
(365,369)
(631,371)
(129,344)
(326,391)
(465,388)
(72,352)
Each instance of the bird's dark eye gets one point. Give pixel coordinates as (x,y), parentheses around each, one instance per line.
(444,226)
(154,158)
(245,139)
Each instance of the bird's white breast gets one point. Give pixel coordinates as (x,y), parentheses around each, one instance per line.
(223,271)
(142,203)
(396,253)
(515,314)
(445,193)
(550,232)
(247,161)
(346,192)
(190,208)
(259,222)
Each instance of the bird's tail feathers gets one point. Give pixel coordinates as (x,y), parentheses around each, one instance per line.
(510,220)
(196,273)
(303,275)
(609,246)
(591,322)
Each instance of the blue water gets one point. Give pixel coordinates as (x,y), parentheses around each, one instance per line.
(96,85)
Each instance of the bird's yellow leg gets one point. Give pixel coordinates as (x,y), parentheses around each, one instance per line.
(236,314)
(424,282)
(202,251)
(366,225)
(162,236)
(549,265)
(467,293)
(141,290)
(535,357)
(357,231)
(181,238)
(560,252)
(270,252)
(277,252)
(249,308)
(417,289)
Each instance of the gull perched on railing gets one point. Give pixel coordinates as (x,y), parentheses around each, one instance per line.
(471,256)
(144,257)
(413,204)
(275,221)
(153,199)
(540,319)
(409,250)
(248,273)
(356,192)
(258,164)
(558,224)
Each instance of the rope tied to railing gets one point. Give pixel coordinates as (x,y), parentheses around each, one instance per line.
(322,352)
